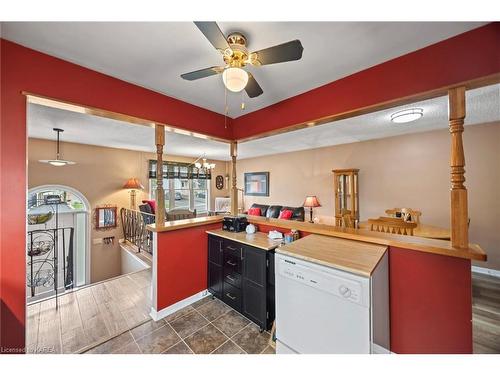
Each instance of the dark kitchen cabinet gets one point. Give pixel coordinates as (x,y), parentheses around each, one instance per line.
(242,277)
(215,269)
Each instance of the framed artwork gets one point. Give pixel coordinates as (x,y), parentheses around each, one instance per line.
(257,183)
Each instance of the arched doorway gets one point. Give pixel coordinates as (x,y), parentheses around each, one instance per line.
(58,241)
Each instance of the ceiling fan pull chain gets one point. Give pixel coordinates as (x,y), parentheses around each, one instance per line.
(225,107)
(242,101)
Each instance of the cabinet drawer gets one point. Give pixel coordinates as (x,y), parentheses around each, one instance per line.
(232,278)
(233,248)
(232,296)
(232,263)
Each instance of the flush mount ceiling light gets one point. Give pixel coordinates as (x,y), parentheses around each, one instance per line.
(57,162)
(407,115)
(235,79)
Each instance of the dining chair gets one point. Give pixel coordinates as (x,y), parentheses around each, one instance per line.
(392,225)
(405,213)
(180,214)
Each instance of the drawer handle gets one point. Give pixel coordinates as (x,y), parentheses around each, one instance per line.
(231,278)
(231,248)
(230,296)
(231,263)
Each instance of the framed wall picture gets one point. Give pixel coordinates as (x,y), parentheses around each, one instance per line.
(257,183)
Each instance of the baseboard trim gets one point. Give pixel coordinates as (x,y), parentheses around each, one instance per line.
(163,313)
(377,349)
(486,271)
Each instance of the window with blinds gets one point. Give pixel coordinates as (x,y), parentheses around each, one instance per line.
(185,186)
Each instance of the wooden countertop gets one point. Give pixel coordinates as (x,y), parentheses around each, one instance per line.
(427,245)
(186,223)
(258,239)
(356,257)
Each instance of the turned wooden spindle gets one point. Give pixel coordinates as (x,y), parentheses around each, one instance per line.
(234,189)
(459,211)
(160,195)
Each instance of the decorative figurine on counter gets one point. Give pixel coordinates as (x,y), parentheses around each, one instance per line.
(251,229)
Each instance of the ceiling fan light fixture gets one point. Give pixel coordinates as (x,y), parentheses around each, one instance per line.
(407,115)
(235,79)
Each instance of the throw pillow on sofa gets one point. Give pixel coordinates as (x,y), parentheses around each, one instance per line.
(254,211)
(286,214)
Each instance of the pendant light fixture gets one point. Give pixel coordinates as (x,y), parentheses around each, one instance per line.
(57,162)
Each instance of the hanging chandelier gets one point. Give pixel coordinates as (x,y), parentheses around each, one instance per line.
(204,165)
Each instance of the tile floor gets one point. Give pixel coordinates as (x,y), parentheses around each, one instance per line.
(206,327)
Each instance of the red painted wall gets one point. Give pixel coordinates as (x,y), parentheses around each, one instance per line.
(470,55)
(23,69)
(182,264)
(467,56)
(431,303)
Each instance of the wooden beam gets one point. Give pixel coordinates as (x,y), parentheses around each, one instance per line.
(234,189)
(160,194)
(459,211)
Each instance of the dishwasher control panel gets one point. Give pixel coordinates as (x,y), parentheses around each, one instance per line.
(347,288)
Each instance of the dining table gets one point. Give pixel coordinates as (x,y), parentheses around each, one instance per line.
(422,230)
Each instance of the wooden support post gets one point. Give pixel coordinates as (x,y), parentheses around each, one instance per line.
(234,189)
(459,212)
(160,194)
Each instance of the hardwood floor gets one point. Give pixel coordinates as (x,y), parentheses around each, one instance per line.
(90,315)
(486,313)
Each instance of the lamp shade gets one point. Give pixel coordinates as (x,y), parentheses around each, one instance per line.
(133,183)
(311,201)
(235,79)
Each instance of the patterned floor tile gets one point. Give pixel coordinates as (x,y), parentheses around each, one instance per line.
(188,324)
(179,313)
(201,302)
(228,347)
(158,341)
(251,340)
(231,323)
(213,309)
(180,348)
(205,340)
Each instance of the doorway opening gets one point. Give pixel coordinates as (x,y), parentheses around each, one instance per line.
(57,238)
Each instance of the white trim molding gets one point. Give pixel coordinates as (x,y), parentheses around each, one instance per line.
(486,271)
(378,349)
(163,313)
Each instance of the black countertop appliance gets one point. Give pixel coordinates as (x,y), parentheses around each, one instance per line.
(234,223)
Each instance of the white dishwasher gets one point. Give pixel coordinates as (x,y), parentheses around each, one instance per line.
(324,310)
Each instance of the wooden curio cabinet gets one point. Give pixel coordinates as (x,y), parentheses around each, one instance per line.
(345,182)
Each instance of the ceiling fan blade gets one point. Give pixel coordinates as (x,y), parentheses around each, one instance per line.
(202,73)
(213,34)
(252,88)
(277,54)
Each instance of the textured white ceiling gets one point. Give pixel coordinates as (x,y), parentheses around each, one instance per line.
(154,55)
(483,105)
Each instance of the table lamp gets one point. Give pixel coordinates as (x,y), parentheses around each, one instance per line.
(311,201)
(133,184)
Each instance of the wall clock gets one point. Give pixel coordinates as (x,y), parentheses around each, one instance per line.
(219,182)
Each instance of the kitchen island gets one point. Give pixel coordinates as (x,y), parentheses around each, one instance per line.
(429,280)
